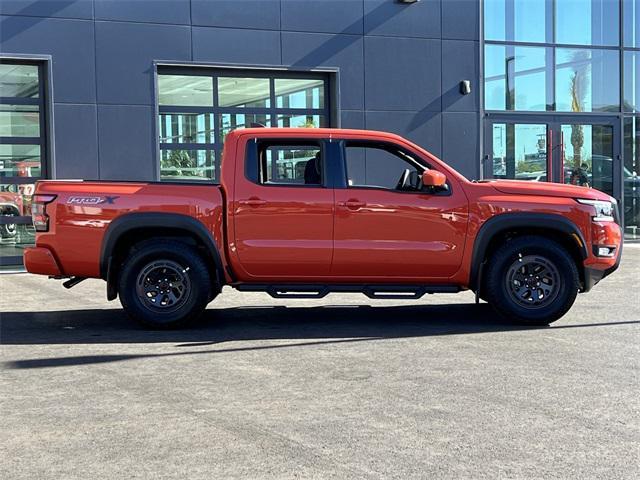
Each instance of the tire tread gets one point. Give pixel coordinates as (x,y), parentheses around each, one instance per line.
(144,252)
(501,260)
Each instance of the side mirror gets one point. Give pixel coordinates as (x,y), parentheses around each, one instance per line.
(433,178)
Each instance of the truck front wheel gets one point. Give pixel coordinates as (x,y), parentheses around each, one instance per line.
(164,284)
(531,280)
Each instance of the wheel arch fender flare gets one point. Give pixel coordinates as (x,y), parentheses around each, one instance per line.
(505,222)
(141,220)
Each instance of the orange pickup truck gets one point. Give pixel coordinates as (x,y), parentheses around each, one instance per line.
(300,213)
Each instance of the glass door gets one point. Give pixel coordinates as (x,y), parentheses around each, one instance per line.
(588,156)
(554,148)
(631,178)
(519,151)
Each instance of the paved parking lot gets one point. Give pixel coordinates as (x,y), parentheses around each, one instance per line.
(339,388)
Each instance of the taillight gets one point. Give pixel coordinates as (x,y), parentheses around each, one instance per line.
(39,211)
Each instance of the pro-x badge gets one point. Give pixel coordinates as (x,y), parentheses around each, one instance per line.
(75,200)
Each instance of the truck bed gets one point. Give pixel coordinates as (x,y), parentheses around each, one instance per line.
(83,210)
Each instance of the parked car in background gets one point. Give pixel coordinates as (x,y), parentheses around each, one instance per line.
(11,205)
(600,175)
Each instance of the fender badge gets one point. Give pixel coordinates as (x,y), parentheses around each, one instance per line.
(91,200)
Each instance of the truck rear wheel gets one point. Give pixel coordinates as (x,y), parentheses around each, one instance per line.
(164,284)
(531,280)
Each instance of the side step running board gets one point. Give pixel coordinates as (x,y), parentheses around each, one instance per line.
(388,292)
(73,281)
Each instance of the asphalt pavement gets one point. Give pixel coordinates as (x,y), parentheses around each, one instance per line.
(343,387)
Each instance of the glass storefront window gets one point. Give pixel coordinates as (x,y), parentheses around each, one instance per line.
(529,78)
(15,234)
(192,125)
(301,121)
(515,78)
(587,22)
(187,164)
(19,80)
(631,180)
(21,154)
(186,128)
(231,121)
(244,92)
(631,23)
(577,22)
(185,90)
(576,71)
(299,93)
(631,81)
(19,121)
(495,77)
(587,80)
(516,20)
(20,160)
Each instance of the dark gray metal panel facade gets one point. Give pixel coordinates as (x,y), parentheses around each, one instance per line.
(323,16)
(461,19)
(384,17)
(399,67)
(50,8)
(236,46)
(156,11)
(423,127)
(460,139)
(403,74)
(352,119)
(126,145)
(76,140)
(467,68)
(70,42)
(305,50)
(125,54)
(257,14)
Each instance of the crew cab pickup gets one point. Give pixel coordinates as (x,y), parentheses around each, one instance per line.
(305,212)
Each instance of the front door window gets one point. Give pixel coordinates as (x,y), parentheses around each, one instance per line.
(377,166)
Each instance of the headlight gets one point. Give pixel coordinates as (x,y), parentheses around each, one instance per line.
(604,210)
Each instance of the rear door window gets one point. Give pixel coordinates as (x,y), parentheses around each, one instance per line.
(291,165)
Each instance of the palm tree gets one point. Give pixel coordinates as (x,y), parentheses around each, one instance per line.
(178,160)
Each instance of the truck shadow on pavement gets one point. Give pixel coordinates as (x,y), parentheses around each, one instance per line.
(302,326)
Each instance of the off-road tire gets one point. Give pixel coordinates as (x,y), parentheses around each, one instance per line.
(143,282)
(502,280)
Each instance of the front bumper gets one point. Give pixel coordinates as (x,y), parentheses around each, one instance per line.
(40,260)
(592,275)
(597,268)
